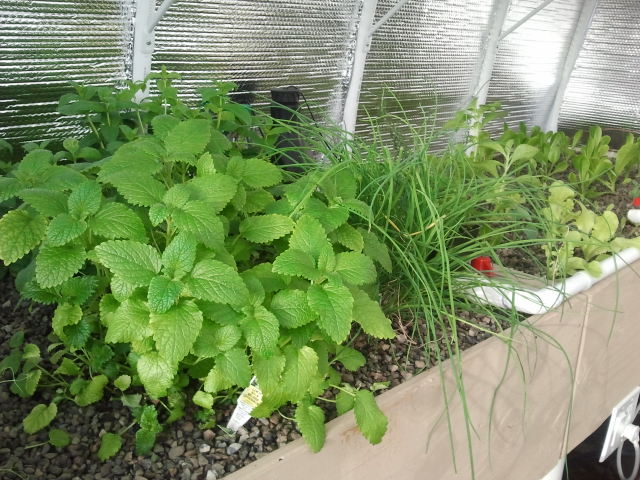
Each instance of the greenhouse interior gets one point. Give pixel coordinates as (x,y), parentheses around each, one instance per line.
(321,239)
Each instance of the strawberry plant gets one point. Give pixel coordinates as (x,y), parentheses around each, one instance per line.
(182,259)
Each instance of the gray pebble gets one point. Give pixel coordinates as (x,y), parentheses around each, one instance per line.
(233,448)
(204,448)
(175,452)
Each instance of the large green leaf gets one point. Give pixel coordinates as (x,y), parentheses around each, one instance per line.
(265,228)
(349,357)
(156,374)
(63,228)
(85,199)
(355,268)
(179,256)
(296,263)
(217,282)
(92,392)
(54,265)
(163,293)
(116,220)
(261,330)
(66,314)
(310,421)
(375,249)
(136,262)
(216,189)
(140,190)
(40,416)
(110,444)
(234,365)
(350,237)
(331,217)
(176,330)
(199,218)
(291,308)
(301,367)
(333,304)
(139,158)
(214,339)
(128,323)
(21,231)
(370,419)
(260,173)
(188,138)
(268,370)
(308,236)
(369,315)
(47,202)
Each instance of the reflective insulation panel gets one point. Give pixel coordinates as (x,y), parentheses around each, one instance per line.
(530,59)
(259,44)
(605,85)
(47,44)
(422,62)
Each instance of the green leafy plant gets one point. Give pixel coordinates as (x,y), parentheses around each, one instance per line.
(183,258)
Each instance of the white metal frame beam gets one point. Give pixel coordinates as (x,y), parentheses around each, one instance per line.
(147,18)
(524,19)
(366,29)
(579,36)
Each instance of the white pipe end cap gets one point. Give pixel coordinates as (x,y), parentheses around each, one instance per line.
(634,216)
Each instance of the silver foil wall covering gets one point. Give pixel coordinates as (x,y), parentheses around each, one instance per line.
(530,59)
(47,44)
(258,44)
(605,86)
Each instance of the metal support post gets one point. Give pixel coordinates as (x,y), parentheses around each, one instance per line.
(579,36)
(524,19)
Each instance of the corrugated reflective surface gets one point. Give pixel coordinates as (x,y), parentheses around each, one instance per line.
(530,59)
(605,85)
(46,44)
(425,56)
(258,44)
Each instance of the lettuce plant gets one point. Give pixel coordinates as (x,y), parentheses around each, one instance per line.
(182,257)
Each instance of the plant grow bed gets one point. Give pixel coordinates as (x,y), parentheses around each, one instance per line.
(529,402)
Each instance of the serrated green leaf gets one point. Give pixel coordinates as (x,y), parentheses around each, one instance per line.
(136,262)
(179,256)
(116,220)
(76,336)
(85,199)
(21,231)
(310,422)
(129,322)
(217,282)
(369,315)
(296,263)
(26,383)
(145,440)
(77,290)
(11,362)
(203,399)
(350,358)
(16,340)
(216,381)
(265,228)
(142,191)
(155,373)
(31,352)
(121,289)
(214,339)
(92,392)
(176,330)
(122,382)
(234,365)
(268,370)
(331,217)
(260,173)
(215,189)
(199,218)
(149,419)
(46,202)
(370,419)
(163,124)
(257,201)
(291,308)
(64,228)
(176,196)
(376,250)
(34,168)
(54,265)
(308,236)
(189,137)
(355,268)
(67,367)
(65,314)
(349,237)
(301,367)
(344,402)
(163,293)
(9,188)
(40,416)
(158,213)
(139,158)
(59,438)
(261,330)
(333,304)
(110,444)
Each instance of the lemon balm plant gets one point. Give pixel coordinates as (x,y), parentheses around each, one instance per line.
(182,260)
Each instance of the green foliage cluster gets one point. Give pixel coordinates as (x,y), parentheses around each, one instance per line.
(178,256)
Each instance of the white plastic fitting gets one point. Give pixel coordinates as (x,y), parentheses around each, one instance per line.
(634,216)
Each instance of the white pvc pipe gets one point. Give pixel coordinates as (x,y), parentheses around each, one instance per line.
(538,302)
(158,14)
(556,472)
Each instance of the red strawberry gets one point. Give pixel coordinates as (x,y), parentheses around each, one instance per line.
(484,265)
(636,202)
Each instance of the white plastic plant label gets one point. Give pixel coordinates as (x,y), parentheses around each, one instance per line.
(249,399)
